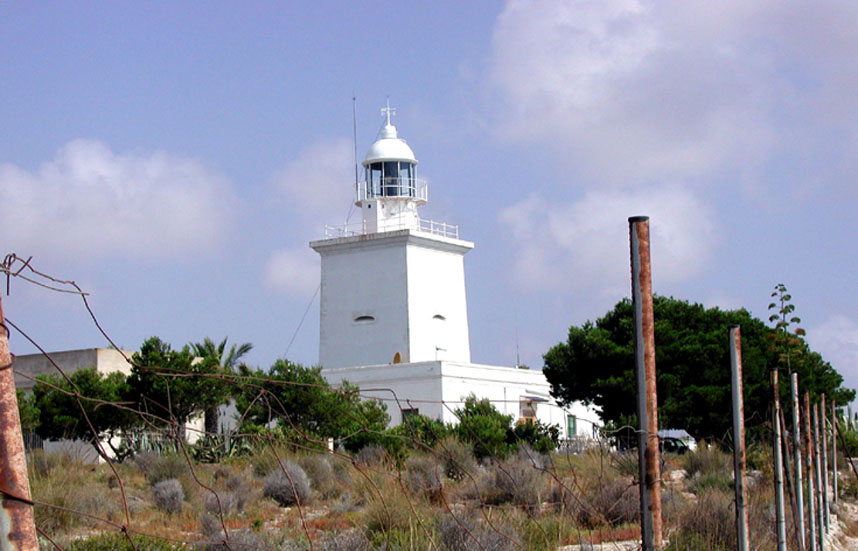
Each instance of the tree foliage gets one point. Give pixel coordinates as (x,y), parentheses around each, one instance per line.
(227,361)
(171,386)
(492,434)
(62,417)
(596,366)
(300,400)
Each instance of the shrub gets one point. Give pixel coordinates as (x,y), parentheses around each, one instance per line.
(609,502)
(481,424)
(459,533)
(424,475)
(541,437)
(456,456)
(157,468)
(707,461)
(518,480)
(116,541)
(320,473)
(350,540)
(228,502)
(372,454)
(709,524)
(168,495)
(289,487)
(212,530)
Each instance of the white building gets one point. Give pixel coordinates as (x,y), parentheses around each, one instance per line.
(393,311)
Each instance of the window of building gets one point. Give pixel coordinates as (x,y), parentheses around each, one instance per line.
(406,413)
(571,426)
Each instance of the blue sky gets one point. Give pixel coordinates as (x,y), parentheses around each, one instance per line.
(174,159)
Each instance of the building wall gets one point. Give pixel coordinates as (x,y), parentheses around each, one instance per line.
(105,360)
(437,388)
(401,280)
(437,306)
(362,279)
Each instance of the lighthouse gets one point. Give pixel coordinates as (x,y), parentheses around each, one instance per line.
(393,316)
(392,284)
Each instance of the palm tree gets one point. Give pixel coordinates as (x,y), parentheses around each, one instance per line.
(208,350)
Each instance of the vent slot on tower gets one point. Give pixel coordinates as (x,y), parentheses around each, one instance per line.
(364,319)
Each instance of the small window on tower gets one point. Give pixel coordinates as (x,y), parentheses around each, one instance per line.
(364,319)
(439,317)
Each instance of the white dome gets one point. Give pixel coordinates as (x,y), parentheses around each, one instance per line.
(389,148)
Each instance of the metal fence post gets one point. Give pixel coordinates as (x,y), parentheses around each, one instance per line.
(817,456)
(18,528)
(823,430)
(796,437)
(811,486)
(834,451)
(739,458)
(648,453)
(780,517)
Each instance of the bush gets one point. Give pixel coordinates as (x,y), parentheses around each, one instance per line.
(168,495)
(459,533)
(350,540)
(709,524)
(212,530)
(157,468)
(481,424)
(320,473)
(456,456)
(519,480)
(289,487)
(541,437)
(225,501)
(425,476)
(610,502)
(707,461)
(372,454)
(116,541)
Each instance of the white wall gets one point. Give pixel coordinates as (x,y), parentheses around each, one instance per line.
(436,287)
(402,279)
(437,389)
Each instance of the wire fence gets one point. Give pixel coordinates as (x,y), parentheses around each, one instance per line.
(284,482)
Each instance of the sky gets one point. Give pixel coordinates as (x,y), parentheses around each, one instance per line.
(175,158)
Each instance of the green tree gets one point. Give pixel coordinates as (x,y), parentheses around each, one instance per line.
(302,402)
(171,387)
(61,416)
(596,366)
(484,427)
(28,411)
(227,361)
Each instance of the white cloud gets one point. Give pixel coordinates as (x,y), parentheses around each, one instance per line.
(294,271)
(585,244)
(837,340)
(89,201)
(319,182)
(632,90)
(318,188)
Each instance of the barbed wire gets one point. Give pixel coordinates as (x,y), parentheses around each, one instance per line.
(550,499)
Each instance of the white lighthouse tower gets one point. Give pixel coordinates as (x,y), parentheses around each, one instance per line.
(393,285)
(393,315)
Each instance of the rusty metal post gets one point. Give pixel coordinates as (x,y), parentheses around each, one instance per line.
(780,516)
(834,475)
(648,453)
(817,456)
(739,458)
(17,526)
(796,438)
(823,433)
(811,486)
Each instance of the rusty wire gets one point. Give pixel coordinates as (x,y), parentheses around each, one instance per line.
(158,416)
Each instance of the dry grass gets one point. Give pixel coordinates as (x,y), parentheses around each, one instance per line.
(526,502)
